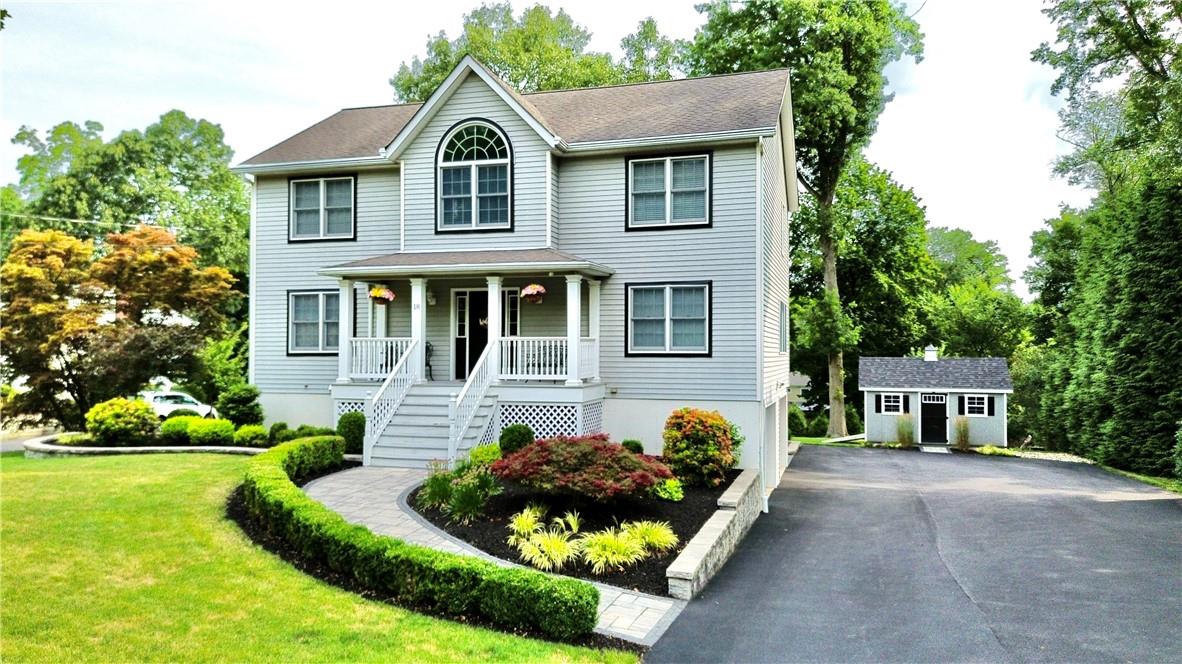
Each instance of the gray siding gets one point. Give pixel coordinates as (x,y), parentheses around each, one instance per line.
(987,430)
(591,223)
(774,227)
(283,266)
(471,100)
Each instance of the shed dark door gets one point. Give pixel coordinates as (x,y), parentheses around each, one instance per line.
(933,418)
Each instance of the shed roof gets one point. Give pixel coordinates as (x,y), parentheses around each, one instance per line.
(951,373)
(706,105)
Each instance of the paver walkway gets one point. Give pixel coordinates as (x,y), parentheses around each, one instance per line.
(376,499)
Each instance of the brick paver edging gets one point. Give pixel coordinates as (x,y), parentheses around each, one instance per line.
(44,447)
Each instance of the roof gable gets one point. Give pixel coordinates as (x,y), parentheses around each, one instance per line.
(437,100)
(951,373)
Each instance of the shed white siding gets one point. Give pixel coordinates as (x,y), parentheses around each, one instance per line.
(474,99)
(591,223)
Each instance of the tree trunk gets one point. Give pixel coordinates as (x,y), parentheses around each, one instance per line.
(836,372)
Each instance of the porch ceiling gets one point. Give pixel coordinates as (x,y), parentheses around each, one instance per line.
(468,263)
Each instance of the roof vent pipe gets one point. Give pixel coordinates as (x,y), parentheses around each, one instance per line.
(930,354)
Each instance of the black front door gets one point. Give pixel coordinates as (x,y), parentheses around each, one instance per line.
(471,330)
(933,419)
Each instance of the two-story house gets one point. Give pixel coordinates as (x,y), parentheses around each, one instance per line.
(654,216)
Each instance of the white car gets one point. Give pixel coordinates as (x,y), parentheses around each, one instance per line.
(164,403)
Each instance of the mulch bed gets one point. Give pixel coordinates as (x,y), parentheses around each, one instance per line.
(236,512)
(686,517)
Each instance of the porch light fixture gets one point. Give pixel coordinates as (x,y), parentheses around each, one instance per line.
(533,293)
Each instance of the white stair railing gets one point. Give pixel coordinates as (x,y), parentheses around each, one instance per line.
(462,408)
(380,408)
(373,358)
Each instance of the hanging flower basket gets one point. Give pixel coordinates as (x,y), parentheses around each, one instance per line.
(533,293)
(381,295)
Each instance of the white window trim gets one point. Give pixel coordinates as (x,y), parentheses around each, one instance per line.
(323,234)
(704,221)
(321,348)
(886,409)
(473,172)
(968,409)
(668,349)
(934,398)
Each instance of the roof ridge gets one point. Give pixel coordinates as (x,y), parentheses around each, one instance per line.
(637,83)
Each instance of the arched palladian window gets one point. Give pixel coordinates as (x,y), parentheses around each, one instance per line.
(474,178)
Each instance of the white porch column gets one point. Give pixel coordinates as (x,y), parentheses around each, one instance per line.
(494,325)
(418,322)
(593,320)
(574,310)
(345,331)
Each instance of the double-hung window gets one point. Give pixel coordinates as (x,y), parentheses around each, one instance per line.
(322,208)
(669,319)
(474,179)
(313,322)
(892,403)
(669,191)
(975,405)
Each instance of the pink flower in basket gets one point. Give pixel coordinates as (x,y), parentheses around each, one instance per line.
(381,295)
(533,293)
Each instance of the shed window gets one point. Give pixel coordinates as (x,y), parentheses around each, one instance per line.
(892,403)
(975,405)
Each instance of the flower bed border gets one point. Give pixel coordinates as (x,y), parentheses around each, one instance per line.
(46,446)
(412,575)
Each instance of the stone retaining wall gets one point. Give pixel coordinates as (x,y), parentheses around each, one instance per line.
(718,538)
(46,447)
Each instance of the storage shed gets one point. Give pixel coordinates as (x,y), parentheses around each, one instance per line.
(934,392)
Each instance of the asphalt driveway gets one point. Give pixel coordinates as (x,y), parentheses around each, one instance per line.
(882,555)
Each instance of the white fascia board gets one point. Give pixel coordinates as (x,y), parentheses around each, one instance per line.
(788,149)
(965,390)
(582,267)
(444,92)
(679,139)
(313,165)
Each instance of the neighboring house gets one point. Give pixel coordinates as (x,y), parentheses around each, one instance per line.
(933,392)
(654,215)
(796,384)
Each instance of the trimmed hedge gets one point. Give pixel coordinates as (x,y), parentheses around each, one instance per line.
(251,435)
(211,432)
(417,576)
(175,430)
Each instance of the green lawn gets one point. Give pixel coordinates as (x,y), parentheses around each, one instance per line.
(131,559)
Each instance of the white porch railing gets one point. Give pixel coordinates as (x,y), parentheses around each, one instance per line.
(533,358)
(588,358)
(373,358)
(461,409)
(379,409)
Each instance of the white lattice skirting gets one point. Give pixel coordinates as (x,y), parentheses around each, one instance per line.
(342,406)
(552,419)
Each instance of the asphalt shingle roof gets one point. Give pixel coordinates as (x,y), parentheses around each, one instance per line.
(709,104)
(968,373)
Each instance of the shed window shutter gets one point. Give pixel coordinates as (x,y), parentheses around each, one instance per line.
(878,403)
(991,406)
(960,405)
(906,403)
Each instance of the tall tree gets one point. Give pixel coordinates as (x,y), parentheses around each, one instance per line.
(962,258)
(836,52)
(92,328)
(1096,128)
(538,50)
(649,55)
(886,279)
(1051,275)
(174,174)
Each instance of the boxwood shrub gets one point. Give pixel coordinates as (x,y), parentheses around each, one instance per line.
(121,422)
(441,582)
(211,432)
(351,427)
(175,430)
(251,435)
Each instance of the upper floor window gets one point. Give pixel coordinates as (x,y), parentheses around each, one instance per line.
(474,179)
(666,192)
(322,208)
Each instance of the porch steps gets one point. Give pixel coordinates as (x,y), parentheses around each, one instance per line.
(419,432)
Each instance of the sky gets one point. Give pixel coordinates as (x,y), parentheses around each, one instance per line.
(971,128)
